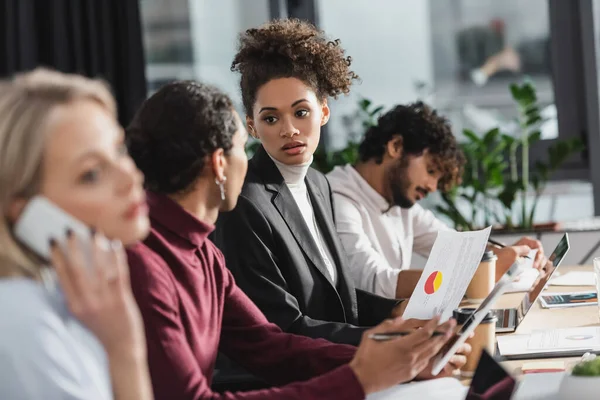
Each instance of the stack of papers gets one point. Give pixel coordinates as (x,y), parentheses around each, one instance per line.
(574,278)
(551,342)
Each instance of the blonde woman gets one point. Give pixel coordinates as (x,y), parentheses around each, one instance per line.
(69,329)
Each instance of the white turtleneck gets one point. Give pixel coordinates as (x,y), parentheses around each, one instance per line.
(294,175)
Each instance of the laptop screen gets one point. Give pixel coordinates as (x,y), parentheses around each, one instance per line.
(553,262)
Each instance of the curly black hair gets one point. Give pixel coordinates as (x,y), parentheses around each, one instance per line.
(421,128)
(175,129)
(291,48)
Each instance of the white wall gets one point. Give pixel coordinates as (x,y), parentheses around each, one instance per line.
(390,44)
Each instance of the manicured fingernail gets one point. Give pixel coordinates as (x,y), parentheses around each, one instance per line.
(69,233)
(52,242)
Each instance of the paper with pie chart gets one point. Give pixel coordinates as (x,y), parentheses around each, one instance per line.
(452,262)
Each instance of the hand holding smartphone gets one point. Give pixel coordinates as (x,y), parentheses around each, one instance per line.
(42,220)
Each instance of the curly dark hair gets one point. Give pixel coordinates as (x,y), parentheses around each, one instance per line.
(175,129)
(421,128)
(291,48)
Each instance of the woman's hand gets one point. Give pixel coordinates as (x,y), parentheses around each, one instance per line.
(379,365)
(540,258)
(457,361)
(99,295)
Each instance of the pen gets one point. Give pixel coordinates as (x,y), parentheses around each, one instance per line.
(502,245)
(391,335)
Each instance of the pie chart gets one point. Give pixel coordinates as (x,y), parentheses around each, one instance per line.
(433,282)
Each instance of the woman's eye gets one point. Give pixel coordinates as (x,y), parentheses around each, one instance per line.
(301,113)
(270,119)
(90,176)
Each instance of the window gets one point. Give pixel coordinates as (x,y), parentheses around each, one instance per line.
(457,55)
(192,39)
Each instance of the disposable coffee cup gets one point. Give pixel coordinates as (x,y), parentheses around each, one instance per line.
(484,337)
(484,279)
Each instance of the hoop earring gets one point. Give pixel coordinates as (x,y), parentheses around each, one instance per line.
(221,185)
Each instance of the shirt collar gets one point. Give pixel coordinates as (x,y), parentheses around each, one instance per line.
(376,200)
(173,217)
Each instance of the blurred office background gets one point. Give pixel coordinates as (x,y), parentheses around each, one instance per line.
(404,50)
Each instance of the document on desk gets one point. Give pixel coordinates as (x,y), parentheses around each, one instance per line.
(555,341)
(574,278)
(452,262)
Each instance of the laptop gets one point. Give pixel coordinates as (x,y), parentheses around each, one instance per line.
(510,318)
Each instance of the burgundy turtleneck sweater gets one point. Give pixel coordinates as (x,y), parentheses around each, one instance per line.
(192,308)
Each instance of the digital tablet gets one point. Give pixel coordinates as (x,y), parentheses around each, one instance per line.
(478,316)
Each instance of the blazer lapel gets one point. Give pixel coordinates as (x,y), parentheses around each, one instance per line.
(324,215)
(284,202)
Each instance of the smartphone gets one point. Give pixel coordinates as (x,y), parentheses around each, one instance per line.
(42,220)
(561,300)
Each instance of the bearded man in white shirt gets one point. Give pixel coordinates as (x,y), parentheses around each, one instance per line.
(410,153)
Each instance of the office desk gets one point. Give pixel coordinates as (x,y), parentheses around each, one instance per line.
(539,318)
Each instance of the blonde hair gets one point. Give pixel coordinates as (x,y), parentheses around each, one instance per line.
(26,103)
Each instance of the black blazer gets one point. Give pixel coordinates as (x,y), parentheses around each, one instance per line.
(274,259)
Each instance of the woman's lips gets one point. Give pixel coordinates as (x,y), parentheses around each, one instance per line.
(294,148)
(136,209)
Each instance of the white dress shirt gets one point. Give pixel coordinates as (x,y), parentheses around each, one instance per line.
(294,175)
(378,240)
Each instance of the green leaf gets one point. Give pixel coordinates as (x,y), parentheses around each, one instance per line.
(472,136)
(491,136)
(523,94)
(533,120)
(532,111)
(508,195)
(496,178)
(528,95)
(515,90)
(364,104)
(534,137)
(376,111)
(508,140)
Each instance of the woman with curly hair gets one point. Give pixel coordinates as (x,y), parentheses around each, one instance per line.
(189,142)
(280,242)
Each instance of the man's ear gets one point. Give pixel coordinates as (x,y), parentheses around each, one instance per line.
(219,164)
(395,147)
(325,112)
(15,208)
(251,127)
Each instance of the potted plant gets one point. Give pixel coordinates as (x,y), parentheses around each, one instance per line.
(498,183)
(583,383)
